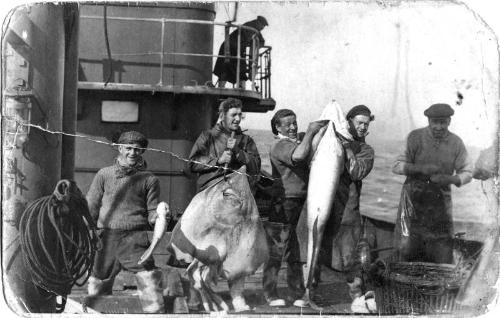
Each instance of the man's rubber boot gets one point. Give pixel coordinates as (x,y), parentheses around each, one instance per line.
(150,291)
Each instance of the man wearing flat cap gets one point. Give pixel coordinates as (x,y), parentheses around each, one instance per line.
(123,200)
(434,158)
(225,68)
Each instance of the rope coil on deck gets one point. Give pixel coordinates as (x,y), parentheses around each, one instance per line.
(58,240)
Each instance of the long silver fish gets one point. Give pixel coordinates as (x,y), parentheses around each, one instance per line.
(326,168)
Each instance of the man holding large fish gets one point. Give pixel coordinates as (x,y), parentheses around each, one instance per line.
(343,230)
(331,222)
(220,233)
(224,147)
(290,169)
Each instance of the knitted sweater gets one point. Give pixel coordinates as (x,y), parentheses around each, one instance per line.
(126,203)
(290,177)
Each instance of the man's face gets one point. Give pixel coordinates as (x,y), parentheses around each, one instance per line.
(439,126)
(131,153)
(359,125)
(232,119)
(287,126)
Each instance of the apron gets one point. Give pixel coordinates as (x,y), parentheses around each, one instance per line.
(424,217)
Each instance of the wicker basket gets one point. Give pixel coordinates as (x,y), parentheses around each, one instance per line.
(419,288)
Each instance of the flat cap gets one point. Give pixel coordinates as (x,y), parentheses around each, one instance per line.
(439,111)
(133,137)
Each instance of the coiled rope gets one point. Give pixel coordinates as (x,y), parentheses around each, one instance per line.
(58,240)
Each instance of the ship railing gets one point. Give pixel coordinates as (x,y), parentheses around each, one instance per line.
(257,62)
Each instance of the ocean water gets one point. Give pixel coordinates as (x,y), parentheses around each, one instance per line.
(382,188)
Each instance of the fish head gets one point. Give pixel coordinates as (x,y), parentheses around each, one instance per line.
(230,198)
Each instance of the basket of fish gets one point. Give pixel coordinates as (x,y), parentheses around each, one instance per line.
(420,288)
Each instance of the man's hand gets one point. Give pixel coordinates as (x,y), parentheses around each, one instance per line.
(315,126)
(482,174)
(231,142)
(225,157)
(354,145)
(163,211)
(429,169)
(443,179)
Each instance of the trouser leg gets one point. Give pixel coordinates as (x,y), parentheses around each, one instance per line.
(295,279)
(295,276)
(277,235)
(106,265)
(150,291)
(355,287)
(194,301)
(270,278)
(354,278)
(98,287)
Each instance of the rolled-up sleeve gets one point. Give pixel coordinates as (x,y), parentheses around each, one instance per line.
(406,160)
(283,151)
(360,165)
(463,165)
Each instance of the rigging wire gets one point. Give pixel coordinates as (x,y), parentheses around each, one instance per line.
(170,153)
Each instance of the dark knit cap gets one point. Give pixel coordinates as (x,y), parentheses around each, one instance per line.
(133,137)
(360,110)
(262,20)
(439,111)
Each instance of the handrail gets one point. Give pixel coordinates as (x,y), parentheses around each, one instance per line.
(172,20)
(162,20)
(258,71)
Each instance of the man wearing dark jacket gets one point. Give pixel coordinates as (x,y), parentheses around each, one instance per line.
(343,228)
(225,68)
(223,146)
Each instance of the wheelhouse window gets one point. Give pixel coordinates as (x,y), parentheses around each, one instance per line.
(119,111)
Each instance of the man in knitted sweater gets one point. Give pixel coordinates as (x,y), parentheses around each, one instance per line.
(289,156)
(123,199)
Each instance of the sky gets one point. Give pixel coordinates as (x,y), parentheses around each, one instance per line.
(398,60)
